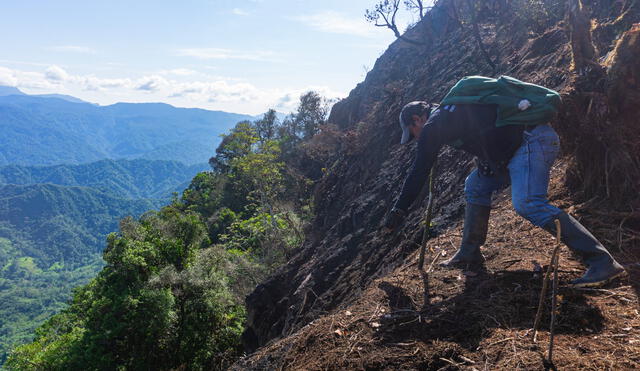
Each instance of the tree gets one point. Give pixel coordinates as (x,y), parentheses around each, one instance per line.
(257,177)
(304,123)
(153,306)
(418,5)
(312,112)
(236,144)
(266,127)
(476,33)
(384,14)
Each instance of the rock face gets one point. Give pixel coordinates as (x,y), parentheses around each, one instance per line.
(347,249)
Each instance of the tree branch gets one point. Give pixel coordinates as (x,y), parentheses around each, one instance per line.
(476,35)
(387,10)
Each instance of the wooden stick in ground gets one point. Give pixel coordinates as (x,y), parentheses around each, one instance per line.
(545,284)
(554,292)
(427,218)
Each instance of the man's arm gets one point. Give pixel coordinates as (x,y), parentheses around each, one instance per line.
(440,129)
(428,148)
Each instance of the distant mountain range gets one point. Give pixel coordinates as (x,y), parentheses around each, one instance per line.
(51,240)
(10,90)
(57,129)
(133,179)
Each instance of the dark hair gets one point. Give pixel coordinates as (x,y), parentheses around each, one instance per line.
(414,108)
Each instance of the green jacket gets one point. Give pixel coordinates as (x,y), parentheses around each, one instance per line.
(507,93)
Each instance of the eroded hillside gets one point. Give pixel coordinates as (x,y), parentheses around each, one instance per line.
(352,297)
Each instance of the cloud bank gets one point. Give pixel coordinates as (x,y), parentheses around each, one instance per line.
(168,86)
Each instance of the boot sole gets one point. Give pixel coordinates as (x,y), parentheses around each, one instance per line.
(599,283)
(461,264)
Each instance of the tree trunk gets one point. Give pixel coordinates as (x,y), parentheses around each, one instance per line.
(583,53)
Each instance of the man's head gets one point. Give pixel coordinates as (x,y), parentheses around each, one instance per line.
(412,118)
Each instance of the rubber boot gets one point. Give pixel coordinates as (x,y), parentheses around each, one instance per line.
(476,222)
(601,266)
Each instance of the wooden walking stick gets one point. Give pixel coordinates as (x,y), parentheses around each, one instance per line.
(545,283)
(554,299)
(427,218)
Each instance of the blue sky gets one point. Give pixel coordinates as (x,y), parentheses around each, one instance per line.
(241,56)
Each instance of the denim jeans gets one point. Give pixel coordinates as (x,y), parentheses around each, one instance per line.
(527,172)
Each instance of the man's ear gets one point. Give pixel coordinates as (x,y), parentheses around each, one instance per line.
(414,118)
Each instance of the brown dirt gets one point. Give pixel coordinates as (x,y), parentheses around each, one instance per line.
(473,320)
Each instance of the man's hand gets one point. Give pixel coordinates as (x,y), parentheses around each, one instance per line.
(393,220)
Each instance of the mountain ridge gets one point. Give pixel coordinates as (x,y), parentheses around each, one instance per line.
(40,131)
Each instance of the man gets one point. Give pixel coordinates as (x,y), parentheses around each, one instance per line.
(518,153)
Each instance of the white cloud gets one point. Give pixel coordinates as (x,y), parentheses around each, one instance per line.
(7,77)
(55,73)
(98,84)
(209,92)
(35,80)
(72,49)
(335,22)
(220,53)
(218,91)
(240,12)
(152,83)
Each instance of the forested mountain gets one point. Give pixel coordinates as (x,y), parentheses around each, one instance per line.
(123,178)
(38,130)
(53,225)
(64,224)
(51,239)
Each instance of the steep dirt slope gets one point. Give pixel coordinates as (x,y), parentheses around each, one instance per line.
(463,320)
(349,274)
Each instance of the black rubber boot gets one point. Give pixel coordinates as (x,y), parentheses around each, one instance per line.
(601,266)
(476,222)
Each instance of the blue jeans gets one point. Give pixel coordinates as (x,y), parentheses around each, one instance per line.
(527,172)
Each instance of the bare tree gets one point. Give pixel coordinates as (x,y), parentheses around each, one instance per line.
(476,35)
(384,14)
(415,5)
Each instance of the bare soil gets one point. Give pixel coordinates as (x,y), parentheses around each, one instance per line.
(452,319)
